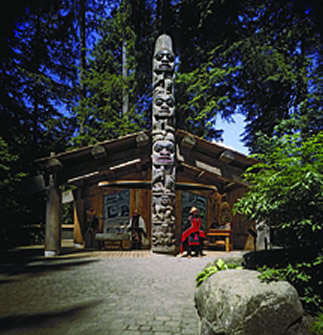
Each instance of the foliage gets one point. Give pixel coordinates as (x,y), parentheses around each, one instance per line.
(259,59)
(207,92)
(9,176)
(100,114)
(67,213)
(17,213)
(262,61)
(6,160)
(306,277)
(38,80)
(286,188)
(317,328)
(210,270)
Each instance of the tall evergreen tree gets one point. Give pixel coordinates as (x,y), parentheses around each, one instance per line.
(101,111)
(37,78)
(43,69)
(255,58)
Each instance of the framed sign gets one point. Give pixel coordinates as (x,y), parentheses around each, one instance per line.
(116,209)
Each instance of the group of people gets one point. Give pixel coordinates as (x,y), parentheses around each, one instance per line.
(191,241)
(136,229)
(192,236)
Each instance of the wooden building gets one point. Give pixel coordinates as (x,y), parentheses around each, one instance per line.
(114,177)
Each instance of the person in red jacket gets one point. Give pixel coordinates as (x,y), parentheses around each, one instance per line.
(193,236)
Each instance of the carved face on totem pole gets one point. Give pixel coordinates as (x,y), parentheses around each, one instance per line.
(163,152)
(163,64)
(164,105)
(164,59)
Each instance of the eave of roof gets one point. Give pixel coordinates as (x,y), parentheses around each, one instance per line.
(216,148)
(92,163)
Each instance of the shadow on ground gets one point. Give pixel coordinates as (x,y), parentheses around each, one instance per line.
(41,319)
(31,260)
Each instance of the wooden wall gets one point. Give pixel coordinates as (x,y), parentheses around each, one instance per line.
(92,196)
(241,238)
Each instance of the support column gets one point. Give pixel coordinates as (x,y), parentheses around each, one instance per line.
(163,148)
(78,218)
(53,219)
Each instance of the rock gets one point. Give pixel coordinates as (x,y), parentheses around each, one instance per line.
(236,302)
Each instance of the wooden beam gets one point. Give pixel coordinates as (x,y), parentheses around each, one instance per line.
(207,167)
(78,169)
(188,142)
(123,165)
(212,164)
(98,151)
(54,163)
(142,140)
(126,183)
(147,184)
(200,175)
(208,175)
(227,156)
(215,149)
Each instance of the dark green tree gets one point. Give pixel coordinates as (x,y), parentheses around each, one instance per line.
(101,112)
(37,79)
(255,58)
(43,71)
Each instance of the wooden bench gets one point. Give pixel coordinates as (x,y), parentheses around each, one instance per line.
(213,236)
(114,240)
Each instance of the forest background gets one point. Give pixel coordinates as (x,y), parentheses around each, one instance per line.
(77,72)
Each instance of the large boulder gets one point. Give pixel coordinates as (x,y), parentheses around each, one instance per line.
(236,302)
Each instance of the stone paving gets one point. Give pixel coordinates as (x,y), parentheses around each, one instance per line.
(100,293)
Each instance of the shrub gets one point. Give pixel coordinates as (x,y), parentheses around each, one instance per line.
(317,327)
(210,270)
(286,190)
(305,277)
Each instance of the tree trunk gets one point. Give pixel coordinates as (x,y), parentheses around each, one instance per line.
(125,92)
(83,47)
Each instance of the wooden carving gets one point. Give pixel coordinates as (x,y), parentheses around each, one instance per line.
(163,148)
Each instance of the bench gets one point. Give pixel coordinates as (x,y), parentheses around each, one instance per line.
(225,236)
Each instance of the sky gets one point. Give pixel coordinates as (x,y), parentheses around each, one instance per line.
(232,133)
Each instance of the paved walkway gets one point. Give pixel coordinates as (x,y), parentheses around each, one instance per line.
(85,293)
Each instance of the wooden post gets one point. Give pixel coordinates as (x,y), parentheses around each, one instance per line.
(53,219)
(78,218)
(163,148)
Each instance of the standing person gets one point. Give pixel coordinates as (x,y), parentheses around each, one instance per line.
(192,236)
(137,228)
(92,229)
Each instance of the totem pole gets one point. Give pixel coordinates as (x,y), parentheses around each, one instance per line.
(163,148)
